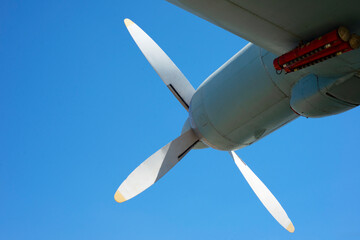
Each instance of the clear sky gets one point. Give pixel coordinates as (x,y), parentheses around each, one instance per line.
(81,108)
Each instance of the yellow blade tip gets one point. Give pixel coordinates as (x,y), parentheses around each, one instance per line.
(128,22)
(290,228)
(119,197)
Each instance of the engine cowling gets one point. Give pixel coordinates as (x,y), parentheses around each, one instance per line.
(313,96)
(239,103)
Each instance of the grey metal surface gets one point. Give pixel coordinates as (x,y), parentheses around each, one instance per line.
(187,127)
(310,96)
(348,91)
(276,25)
(245,100)
(239,103)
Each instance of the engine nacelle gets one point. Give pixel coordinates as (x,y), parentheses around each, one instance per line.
(243,101)
(239,103)
(314,97)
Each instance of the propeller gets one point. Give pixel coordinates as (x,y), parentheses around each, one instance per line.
(158,164)
(264,194)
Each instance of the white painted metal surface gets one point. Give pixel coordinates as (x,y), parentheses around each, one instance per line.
(264,194)
(156,166)
(162,64)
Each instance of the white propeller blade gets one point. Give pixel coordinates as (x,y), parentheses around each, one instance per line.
(162,64)
(263,193)
(153,168)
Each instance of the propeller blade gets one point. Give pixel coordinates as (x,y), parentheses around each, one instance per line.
(162,64)
(156,166)
(264,194)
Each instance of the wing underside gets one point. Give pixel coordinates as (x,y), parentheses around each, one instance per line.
(277,25)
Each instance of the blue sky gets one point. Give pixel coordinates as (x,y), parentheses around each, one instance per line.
(81,108)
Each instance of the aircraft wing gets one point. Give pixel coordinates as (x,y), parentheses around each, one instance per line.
(277,25)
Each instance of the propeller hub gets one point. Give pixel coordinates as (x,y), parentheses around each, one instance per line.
(186,127)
